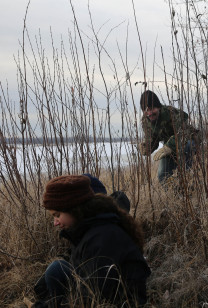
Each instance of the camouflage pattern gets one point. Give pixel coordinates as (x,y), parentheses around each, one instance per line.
(171,127)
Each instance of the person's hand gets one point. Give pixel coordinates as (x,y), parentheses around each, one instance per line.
(27,302)
(164,151)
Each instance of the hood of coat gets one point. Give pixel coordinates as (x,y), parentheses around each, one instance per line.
(76,233)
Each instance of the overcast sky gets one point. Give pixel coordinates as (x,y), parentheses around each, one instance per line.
(153,23)
(152,16)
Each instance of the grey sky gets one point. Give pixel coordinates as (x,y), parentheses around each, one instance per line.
(153,22)
(152,16)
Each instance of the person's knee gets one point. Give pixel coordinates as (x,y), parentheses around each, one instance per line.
(56,269)
(57,277)
(166,167)
(190,151)
(53,268)
(162,176)
(162,173)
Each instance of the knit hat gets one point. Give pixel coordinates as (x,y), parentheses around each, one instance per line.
(96,185)
(149,99)
(64,192)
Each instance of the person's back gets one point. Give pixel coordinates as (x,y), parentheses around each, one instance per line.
(107,258)
(106,246)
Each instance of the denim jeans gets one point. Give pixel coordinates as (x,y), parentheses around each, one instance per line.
(51,289)
(169,163)
(58,277)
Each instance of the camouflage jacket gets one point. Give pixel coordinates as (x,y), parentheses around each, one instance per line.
(172,128)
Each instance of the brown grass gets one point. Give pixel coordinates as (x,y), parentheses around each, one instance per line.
(176,245)
(174,217)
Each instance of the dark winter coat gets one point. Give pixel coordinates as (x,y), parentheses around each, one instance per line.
(103,254)
(172,128)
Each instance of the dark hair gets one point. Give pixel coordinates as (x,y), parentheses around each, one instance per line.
(100,204)
(149,99)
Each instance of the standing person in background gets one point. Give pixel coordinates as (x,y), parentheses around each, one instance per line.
(106,247)
(168,125)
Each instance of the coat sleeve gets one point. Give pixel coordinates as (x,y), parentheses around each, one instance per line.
(99,266)
(151,140)
(109,259)
(103,254)
(181,128)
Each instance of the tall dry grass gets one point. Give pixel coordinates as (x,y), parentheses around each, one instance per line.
(175,247)
(69,120)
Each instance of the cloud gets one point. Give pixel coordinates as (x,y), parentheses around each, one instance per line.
(152,17)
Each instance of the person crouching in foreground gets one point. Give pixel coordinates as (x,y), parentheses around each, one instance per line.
(107,246)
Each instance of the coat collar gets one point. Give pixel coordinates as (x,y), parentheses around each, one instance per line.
(76,233)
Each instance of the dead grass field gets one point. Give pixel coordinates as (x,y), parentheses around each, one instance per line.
(174,217)
(175,226)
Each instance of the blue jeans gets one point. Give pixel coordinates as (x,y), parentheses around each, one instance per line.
(169,163)
(52,288)
(58,277)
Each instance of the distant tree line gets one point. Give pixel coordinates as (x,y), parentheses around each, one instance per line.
(72,140)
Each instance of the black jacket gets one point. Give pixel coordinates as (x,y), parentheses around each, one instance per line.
(105,256)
